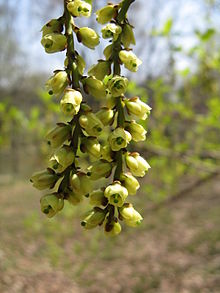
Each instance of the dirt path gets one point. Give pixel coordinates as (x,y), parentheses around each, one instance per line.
(176,250)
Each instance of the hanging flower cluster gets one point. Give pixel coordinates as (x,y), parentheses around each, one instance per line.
(85,132)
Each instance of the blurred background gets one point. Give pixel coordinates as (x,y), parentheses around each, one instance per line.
(177,248)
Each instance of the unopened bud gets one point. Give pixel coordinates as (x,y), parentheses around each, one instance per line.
(94,218)
(99,169)
(106,116)
(53,26)
(91,146)
(105,14)
(57,136)
(107,153)
(44,179)
(54,42)
(88,37)
(100,70)
(127,36)
(57,83)
(97,198)
(130,183)
(80,183)
(91,124)
(95,87)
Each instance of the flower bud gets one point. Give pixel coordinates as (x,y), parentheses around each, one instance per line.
(127,36)
(116,194)
(107,153)
(105,14)
(51,205)
(136,130)
(97,198)
(94,87)
(117,85)
(119,139)
(75,198)
(80,183)
(111,30)
(44,179)
(99,169)
(70,102)
(105,115)
(130,60)
(57,136)
(108,52)
(100,70)
(113,228)
(138,108)
(79,8)
(137,165)
(130,183)
(53,26)
(61,159)
(91,146)
(88,37)
(54,42)
(57,83)
(91,124)
(130,216)
(80,62)
(94,218)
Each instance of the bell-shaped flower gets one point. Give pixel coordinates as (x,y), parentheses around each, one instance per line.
(44,179)
(54,42)
(53,26)
(99,169)
(94,87)
(79,8)
(80,183)
(91,124)
(137,165)
(138,108)
(88,37)
(107,153)
(94,218)
(111,30)
(130,216)
(51,204)
(91,146)
(108,52)
(116,194)
(119,139)
(105,115)
(130,60)
(136,130)
(100,70)
(74,198)
(97,198)
(61,159)
(130,183)
(105,14)
(127,36)
(57,83)
(117,85)
(57,136)
(70,102)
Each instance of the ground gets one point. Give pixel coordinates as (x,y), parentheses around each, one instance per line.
(176,250)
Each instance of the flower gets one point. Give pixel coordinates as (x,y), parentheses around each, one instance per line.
(130,183)
(79,8)
(105,115)
(91,145)
(108,52)
(130,60)
(99,169)
(127,36)
(94,218)
(116,194)
(112,228)
(91,124)
(130,216)
(80,63)
(51,204)
(119,139)
(75,198)
(138,108)
(137,165)
(107,153)
(70,102)
(88,37)
(53,26)
(137,131)
(117,85)
(105,14)
(57,83)
(111,30)
(100,70)
(80,183)
(94,87)
(44,179)
(57,136)
(97,198)
(62,158)
(54,42)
